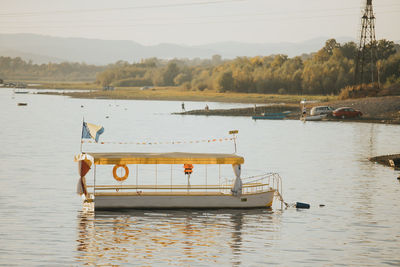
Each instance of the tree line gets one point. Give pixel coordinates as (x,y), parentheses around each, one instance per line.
(324,72)
(19,69)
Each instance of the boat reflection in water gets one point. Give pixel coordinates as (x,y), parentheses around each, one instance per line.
(182,237)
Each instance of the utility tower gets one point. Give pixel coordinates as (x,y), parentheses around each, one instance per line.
(366,70)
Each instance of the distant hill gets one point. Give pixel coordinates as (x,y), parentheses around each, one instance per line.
(36,58)
(43,49)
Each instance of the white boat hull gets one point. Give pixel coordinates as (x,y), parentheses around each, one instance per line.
(314,117)
(120,200)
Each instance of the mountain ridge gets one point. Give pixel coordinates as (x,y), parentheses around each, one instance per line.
(43,49)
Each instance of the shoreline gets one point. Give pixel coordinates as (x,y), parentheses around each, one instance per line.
(172,93)
(293,115)
(375,109)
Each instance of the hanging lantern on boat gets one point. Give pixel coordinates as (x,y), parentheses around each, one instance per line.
(188,168)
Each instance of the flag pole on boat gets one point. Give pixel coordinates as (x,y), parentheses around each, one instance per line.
(234,132)
(83,124)
(91,131)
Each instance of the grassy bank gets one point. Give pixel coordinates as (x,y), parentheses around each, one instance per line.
(178,94)
(64,85)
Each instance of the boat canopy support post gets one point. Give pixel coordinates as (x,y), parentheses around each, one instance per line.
(171,178)
(219,175)
(137,173)
(94,180)
(156,177)
(206,177)
(188,182)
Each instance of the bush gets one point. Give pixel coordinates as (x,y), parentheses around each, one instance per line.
(359,91)
(202,86)
(186,86)
(369,90)
(393,89)
(133,82)
(281,91)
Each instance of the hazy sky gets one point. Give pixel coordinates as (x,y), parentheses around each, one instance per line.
(195,22)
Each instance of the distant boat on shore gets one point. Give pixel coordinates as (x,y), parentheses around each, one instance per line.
(271,116)
(20,92)
(313,118)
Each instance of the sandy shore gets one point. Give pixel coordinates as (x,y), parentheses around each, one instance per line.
(374,109)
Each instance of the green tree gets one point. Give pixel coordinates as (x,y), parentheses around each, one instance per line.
(170,73)
(385,49)
(225,81)
(349,50)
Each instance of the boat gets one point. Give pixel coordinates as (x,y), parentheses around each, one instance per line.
(271,116)
(313,117)
(251,192)
(304,117)
(19,91)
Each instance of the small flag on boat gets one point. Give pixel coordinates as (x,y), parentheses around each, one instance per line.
(91,131)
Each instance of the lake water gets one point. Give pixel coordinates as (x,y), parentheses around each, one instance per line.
(42,222)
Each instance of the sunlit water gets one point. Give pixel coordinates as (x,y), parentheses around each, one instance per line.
(42,222)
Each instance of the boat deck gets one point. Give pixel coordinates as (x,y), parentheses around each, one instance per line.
(225,187)
(175,193)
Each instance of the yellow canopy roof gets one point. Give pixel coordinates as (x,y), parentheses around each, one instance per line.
(165,158)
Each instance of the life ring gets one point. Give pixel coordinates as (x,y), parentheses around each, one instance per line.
(118,178)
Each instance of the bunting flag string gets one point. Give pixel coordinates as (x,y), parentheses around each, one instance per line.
(160,142)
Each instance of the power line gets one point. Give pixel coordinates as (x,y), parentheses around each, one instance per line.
(77,11)
(222,16)
(164,23)
(121,8)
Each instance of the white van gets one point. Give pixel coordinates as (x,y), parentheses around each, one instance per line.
(321,110)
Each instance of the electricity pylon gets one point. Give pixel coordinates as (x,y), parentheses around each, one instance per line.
(366,54)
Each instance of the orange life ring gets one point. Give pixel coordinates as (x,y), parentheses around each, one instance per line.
(118,178)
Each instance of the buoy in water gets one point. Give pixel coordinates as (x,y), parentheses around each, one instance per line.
(300,205)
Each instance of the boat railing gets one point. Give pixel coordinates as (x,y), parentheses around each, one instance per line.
(273,180)
(251,185)
(223,189)
(261,183)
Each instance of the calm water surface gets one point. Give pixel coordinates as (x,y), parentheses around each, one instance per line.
(42,222)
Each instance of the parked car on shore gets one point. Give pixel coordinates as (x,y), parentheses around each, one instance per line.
(346,112)
(321,110)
